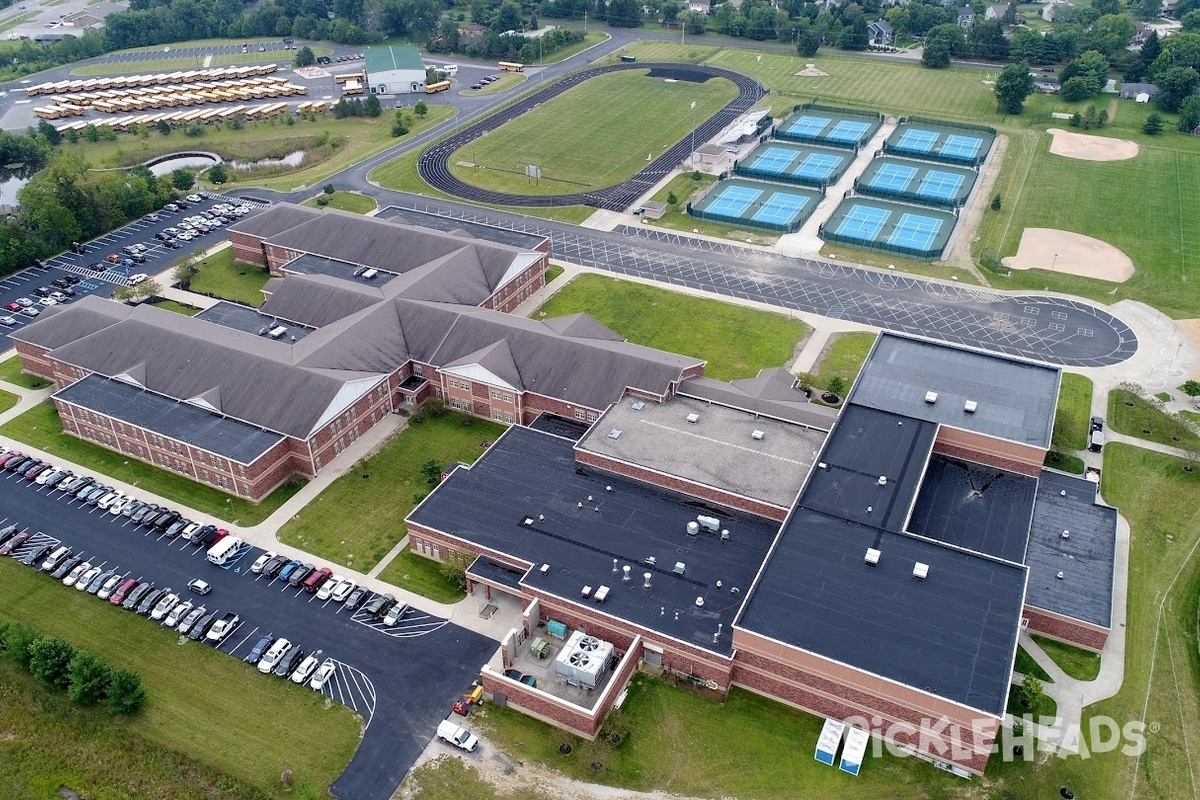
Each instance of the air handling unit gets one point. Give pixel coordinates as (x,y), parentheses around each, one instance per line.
(583,661)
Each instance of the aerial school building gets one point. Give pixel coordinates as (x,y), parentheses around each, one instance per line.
(875,568)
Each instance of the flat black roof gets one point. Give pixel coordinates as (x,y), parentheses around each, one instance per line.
(1014,399)
(250,320)
(981,508)
(865,445)
(952,634)
(560,426)
(165,416)
(486,233)
(309,264)
(495,571)
(1085,558)
(527,497)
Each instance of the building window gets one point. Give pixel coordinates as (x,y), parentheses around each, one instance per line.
(418,370)
(495,395)
(496,415)
(579,414)
(591,416)
(508,417)
(508,398)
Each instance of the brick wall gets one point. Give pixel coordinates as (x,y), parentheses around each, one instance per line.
(677,484)
(1020,458)
(248,248)
(533,405)
(345,429)
(520,288)
(35,359)
(1064,629)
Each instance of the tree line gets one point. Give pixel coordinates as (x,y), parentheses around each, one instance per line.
(86,677)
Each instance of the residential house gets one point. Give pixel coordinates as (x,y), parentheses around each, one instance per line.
(881,33)
(966,17)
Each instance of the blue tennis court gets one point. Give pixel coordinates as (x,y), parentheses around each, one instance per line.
(733,201)
(915,231)
(916,140)
(848,131)
(818,166)
(808,125)
(780,208)
(940,185)
(774,159)
(894,177)
(863,222)
(961,147)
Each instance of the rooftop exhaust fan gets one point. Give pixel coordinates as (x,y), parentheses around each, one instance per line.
(757,435)
(693,418)
(970,406)
(920,571)
(931,397)
(873,556)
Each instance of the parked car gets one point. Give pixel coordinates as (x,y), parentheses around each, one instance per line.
(176,527)
(202,626)
(136,596)
(14,541)
(305,670)
(177,613)
(189,622)
(146,605)
(273,655)
(379,605)
(299,574)
(36,555)
(291,567)
(109,587)
(163,607)
(287,665)
(393,615)
(343,590)
(66,567)
(327,588)
(272,567)
(199,587)
(322,675)
(85,578)
(259,648)
(97,583)
(107,501)
(59,554)
(357,597)
(316,579)
(7,533)
(140,515)
(122,591)
(261,561)
(222,628)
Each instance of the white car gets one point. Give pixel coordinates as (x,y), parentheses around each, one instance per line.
(259,562)
(305,670)
(106,502)
(186,533)
(193,198)
(395,613)
(78,572)
(30,312)
(222,628)
(118,505)
(110,586)
(165,606)
(86,578)
(7,321)
(343,590)
(137,278)
(177,613)
(275,653)
(329,587)
(45,477)
(24,302)
(59,297)
(322,675)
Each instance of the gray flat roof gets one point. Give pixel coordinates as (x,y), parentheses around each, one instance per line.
(476,230)
(1086,558)
(868,444)
(981,508)
(523,497)
(188,423)
(251,320)
(952,635)
(718,450)
(310,264)
(1015,399)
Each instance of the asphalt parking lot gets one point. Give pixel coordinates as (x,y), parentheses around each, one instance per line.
(140,231)
(402,680)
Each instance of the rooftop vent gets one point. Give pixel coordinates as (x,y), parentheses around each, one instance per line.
(1061,575)
(650,561)
(931,397)
(601,594)
(757,435)
(646,578)
(725,534)
(615,433)
(625,569)
(970,406)
(680,567)
(529,520)
(693,418)
(822,465)
(699,602)
(709,523)
(920,571)
(693,528)
(638,405)
(545,568)
(882,480)
(873,556)
(587,592)
(1066,534)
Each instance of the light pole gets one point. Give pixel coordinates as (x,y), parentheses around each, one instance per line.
(693,159)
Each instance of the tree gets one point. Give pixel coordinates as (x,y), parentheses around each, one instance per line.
(1191,388)
(837,385)
(1075,89)
(50,662)
(420,108)
(90,676)
(305,57)
(936,55)
(1154,124)
(1014,84)
(217,174)
(184,272)
(431,468)
(508,17)
(1176,85)
(1191,22)
(453,567)
(672,199)
(182,179)
(18,643)
(625,14)
(1107,6)
(137,293)
(996,202)
(694,23)
(372,107)
(47,131)
(1189,114)
(126,695)
(1031,693)
(808,41)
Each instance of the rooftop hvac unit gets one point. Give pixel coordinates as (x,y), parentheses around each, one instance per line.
(638,405)
(586,592)
(709,523)
(931,397)
(545,568)
(920,571)
(693,418)
(584,660)
(277,331)
(873,556)
(757,435)
(970,406)
(615,433)
(680,568)
(601,594)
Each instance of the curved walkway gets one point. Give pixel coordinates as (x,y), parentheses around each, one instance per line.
(434,164)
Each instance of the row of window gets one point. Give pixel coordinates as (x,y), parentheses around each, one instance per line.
(499,416)
(508,398)
(590,416)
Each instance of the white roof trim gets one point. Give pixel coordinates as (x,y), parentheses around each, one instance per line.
(350,392)
(519,264)
(202,403)
(125,377)
(477,373)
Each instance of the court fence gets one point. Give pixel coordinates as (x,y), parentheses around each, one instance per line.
(940,123)
(776,227)
(942,126)
(828,231)
(907,196)
(779,177)
(813,105)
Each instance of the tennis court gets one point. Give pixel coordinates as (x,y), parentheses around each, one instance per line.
(889,227)
(829,127)
(756,204)
(795,163)
(917,182)
(940,142)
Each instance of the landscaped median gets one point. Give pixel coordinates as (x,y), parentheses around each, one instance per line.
(41,427)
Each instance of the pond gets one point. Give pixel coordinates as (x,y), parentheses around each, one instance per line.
(293,159)
(9,186)
(189,161)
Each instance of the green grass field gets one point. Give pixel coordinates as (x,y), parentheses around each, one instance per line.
(620,134)
(508,80)
(178,308)
(206,713)
(1025,665)
(346,201)
(736,341)
(1072,418)
(843,358)
(221,276)
(418,574)
(10,372)
(7,400)
(1080,664)
(1065,462)
(355,521)
(41,427)
(1135,416)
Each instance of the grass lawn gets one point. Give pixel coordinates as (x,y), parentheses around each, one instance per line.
(1080,664)
(590,39)
(1136,416)
(356,520)
(843,358)
(1064,462)
(667,743)
(552,273)
(221,276)
(619,134)
(204,714)
(736,341)
(1072,419)
(347,201)
(1025,665)
(7,400)
(684,186)
(10,371)
(932,269)
(508,80)
(1046,708)
(418,574)
(178,308)
(682,221)
(41,427)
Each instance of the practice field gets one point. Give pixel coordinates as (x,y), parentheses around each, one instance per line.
(595,135)
(770,206)
(795,163)
(916,182)
(890,227)
(828,127)
(940,143)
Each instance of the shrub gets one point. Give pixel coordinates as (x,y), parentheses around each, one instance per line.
(50,662)
(126,695)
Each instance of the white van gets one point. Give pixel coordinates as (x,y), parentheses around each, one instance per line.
(450,69)
(222,551)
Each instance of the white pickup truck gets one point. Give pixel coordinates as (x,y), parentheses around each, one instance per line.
(457,736)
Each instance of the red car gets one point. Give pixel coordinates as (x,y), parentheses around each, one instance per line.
(314,581)
(9,456)
(12,307)
(14,543)
(221,534)
(123,591)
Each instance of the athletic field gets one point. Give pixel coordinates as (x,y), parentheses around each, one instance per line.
(595,135)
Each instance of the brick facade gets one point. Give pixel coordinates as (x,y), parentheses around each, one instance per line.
(1064,629)
(1013,456)
(248,248)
